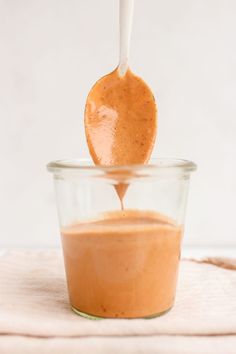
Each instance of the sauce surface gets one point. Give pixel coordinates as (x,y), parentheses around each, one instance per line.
(120,120)
(122,265)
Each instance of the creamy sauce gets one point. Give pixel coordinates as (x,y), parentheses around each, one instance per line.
(120,120)
(122,265)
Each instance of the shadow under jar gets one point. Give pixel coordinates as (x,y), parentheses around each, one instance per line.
(121,263)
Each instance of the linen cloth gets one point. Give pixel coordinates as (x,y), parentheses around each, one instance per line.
(35,315)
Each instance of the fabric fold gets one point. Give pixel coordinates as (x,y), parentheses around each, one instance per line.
(34,303)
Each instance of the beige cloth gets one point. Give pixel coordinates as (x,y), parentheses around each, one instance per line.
(35,315)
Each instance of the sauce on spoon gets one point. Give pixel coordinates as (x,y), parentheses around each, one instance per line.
(120,120)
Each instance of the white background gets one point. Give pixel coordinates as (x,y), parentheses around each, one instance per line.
(52,51)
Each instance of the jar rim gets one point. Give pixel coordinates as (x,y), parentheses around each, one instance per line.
(155,164)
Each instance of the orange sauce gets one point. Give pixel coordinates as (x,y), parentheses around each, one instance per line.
(122,265)
(120,120)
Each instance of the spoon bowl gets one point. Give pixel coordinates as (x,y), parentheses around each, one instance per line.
(120,120)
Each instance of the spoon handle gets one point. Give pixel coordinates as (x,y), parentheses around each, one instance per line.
(126,15)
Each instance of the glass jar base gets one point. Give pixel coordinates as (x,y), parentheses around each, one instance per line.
(93,317)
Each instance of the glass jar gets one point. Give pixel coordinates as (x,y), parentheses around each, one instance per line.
(121,230)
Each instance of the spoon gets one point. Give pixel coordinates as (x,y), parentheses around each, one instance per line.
(120,111)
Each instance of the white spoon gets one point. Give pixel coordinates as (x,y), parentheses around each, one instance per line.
(126,18)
